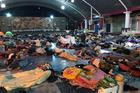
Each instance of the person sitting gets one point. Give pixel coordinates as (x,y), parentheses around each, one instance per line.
(37,43)
(2,49)
(10,58)
(12,62)
(32,49)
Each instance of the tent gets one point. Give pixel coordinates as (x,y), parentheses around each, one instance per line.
(8,33)
(1,34)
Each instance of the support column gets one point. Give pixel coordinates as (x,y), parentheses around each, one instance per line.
(127,20)
(91,15)
(91,19)
(137,23)
(86,24)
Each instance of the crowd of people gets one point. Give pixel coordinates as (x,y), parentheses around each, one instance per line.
(17,47)
(86,46)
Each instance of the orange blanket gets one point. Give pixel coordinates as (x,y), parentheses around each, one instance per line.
(68,56)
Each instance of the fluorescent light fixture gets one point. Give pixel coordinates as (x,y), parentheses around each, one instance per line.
(63,7)
(52,17)
(72,1)
(8,15)
(3,5)
(96,16)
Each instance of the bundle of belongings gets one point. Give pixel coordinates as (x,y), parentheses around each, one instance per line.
(62,42)
(125,63)
(136,52)
(87,53)
(25,79)
(68,56)
(130,45)
(66,42)
(57,50)
(88,77)
(132,68)
(40,51)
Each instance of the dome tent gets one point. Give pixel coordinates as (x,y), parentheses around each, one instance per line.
(9,34)
(1,34)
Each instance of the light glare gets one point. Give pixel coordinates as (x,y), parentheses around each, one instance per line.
(3,5)
(62,7)
(72,1)
(52,17)
(8,14)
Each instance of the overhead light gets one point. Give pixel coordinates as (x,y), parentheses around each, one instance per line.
(63,7)
(72,1)
(67,31)
(8,15)
(1,0)
(96,16)
(52,17)
(3,5)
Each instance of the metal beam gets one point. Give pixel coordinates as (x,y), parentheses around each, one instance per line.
(123,5)
(77,11)
(14,5)
(67,4)
(92,7)
(91,16)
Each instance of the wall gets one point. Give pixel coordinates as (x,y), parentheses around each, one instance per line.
(22,23)
(138,23)
(118,22)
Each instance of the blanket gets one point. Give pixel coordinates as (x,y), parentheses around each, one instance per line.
(24,79)
(68,56)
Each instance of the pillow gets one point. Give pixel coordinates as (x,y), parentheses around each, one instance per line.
(8,76)
(44,77)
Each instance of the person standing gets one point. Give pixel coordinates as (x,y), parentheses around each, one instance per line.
(83,39)
(97,28)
